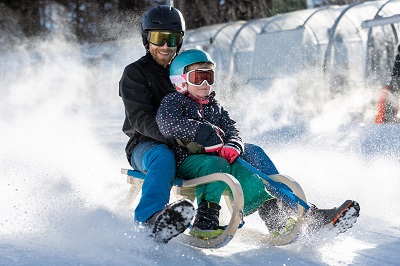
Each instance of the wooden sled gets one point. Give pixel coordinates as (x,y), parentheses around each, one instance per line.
(186,189)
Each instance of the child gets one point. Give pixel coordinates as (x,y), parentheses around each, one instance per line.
(203,130)
(195,116)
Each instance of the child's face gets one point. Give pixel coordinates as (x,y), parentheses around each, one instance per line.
(204,89)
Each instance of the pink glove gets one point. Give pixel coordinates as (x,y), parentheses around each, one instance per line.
(229,153)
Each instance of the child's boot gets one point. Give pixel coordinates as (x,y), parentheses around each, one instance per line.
(206,224)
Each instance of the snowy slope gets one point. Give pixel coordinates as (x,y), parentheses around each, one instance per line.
(61,150)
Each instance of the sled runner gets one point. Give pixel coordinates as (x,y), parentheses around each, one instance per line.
(281,186)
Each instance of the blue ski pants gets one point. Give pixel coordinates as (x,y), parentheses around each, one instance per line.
(256,157)
(157,161)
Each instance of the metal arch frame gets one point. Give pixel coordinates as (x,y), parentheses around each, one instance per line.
(231,61)
(370,34)
(228,24)
(315,12)
(269,20)
(333,33)
(210,40)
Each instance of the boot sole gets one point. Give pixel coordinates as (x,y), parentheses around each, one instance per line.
(346,217)
(205,234)
(173,220)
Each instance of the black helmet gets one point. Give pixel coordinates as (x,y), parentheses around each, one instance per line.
(162,18)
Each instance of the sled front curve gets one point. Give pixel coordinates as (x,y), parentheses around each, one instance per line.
(298,191)
(236,214)
(184,188)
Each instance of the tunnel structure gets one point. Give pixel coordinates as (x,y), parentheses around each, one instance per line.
(336,47)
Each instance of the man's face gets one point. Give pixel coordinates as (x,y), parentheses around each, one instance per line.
(162,54)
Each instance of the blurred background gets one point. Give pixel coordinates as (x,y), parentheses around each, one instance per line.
(88,18)
(330,48)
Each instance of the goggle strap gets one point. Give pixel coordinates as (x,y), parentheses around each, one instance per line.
(177,79)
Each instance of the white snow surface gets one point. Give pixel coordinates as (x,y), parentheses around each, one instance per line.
(61,150)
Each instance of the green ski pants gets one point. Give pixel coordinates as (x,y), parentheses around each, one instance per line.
(198,165)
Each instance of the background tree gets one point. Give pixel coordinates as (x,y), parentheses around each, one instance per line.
(214,12)
(91,20)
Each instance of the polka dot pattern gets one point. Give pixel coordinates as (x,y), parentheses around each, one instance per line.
(181,117)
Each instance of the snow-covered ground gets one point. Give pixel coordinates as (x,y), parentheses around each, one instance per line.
(61,150)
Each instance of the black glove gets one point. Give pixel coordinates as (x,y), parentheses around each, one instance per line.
(208,137)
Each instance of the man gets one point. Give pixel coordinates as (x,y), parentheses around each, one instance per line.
(142,86)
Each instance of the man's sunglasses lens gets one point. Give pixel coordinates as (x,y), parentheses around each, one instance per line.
(159,38)
(196,77)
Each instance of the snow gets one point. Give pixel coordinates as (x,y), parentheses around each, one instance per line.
(61,150)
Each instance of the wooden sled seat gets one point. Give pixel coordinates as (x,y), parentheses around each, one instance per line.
(186,189)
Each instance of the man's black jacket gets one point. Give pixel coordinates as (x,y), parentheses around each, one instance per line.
(142,86)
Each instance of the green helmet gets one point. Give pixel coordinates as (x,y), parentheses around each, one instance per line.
(187,58)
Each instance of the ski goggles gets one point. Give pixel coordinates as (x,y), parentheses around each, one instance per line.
(195,77)
(160,37)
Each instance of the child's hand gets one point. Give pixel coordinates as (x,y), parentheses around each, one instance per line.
(209,136)
(214,143)
(229,153)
